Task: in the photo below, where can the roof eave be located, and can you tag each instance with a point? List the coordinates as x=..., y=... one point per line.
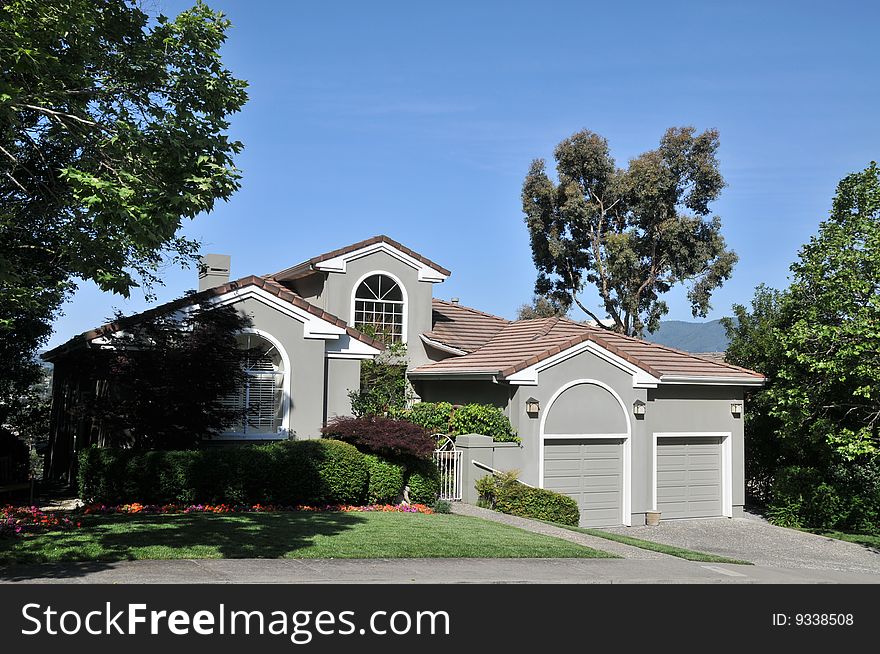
x=712, y=380
x=458, y=375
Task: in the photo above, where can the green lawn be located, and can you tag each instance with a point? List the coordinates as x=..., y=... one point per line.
x=680, y=552
x=862, y=539
x=285, y=535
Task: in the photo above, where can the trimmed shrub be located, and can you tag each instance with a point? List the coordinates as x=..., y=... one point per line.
x=442, y=506
x=482, y=419
x=504, y=493
x=433, y=417
x=288, y=473
x=317, y=472
x=383, y=436
x=538, y=503
x=386, y=480
x=423, y=480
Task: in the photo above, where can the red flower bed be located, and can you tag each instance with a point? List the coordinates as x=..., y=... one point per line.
x=16, y=520
x=133, y=508
x=20, y=519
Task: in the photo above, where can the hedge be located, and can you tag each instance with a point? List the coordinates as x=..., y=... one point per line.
x=424, y=482
x=287, y=473
x=386, y=480
x=504, y=493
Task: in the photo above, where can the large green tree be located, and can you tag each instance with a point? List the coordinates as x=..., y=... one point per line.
x=831, y=383
x=812, y=432
x=113, y=129
x=632, y=233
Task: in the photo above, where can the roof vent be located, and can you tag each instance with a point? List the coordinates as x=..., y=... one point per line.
x=454, y=300
x=213, y=271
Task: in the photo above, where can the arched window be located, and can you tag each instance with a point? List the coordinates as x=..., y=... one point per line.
x=260, y=402
x=379, y=306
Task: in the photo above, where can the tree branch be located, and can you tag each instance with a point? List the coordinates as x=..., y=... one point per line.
x=59, y=114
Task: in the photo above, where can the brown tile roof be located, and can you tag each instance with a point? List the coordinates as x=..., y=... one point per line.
x=267, y=285
x=461, y=327
x=518, y=345
x=306, y=267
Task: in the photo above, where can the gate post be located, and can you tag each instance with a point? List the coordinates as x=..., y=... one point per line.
x=474, y=447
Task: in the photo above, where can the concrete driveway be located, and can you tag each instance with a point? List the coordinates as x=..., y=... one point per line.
x=753, y=539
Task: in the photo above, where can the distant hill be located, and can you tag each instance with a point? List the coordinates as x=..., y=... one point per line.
x=691, y=336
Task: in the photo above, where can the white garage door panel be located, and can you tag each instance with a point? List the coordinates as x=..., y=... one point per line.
x=689, y=477
x=591, y=472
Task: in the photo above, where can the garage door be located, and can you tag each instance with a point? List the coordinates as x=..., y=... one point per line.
x=689, y=477
x=590, y=471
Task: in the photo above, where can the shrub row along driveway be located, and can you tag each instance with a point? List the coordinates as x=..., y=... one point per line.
x=755, y=540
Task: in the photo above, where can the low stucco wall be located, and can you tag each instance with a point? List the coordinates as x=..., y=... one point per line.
x=480, y=449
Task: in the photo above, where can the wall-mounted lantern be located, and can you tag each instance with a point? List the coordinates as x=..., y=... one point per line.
x=532, y=407
x=638, y=408
x=736, y=408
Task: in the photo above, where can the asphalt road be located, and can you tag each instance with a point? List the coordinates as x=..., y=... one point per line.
x=422, y=571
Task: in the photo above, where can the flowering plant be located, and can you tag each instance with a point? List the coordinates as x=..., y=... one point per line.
x=15, y=520
x=134, y=508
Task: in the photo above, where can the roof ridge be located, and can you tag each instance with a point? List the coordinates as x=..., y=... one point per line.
x=471, y=309
x=600, y=330
x=682, y=352
x=347, y=249
x=193, y=298
x=551, y=323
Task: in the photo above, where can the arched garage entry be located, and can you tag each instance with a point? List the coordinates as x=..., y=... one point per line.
x=585, y=451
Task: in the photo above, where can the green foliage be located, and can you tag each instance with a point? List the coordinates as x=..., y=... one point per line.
x=818, y=342
x=386, y=480
x=319, y=471
x=187, y=365
x=287, y=473
x=633, y=233
x=504, y=493
x=114, y=129
x=542, y=307
x=423, y=480
x=482, y=419
x=444, y=418
x=384, y=389
x=433, y=417
x=442, y=506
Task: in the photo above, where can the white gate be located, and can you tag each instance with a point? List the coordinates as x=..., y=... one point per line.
x=448, y=460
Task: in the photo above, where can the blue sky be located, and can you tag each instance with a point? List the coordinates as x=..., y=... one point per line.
x=419, y=120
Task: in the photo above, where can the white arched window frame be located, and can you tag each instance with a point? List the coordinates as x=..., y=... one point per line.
x=268, y=385
x=372, y=305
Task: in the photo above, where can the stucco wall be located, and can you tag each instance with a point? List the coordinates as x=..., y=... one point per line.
x=336, y=297
x=464, y=392
x=702, y=409
x=306, y=373
x=342, y=376
x=597, y=416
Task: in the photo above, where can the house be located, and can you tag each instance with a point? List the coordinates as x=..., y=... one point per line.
x=622, y=425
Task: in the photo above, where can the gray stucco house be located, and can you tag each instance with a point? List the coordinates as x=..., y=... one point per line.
x=622, y=425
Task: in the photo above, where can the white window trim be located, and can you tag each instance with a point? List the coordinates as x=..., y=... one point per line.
x=626, y=505
x=726, y=464
x=285, y=396
x=405, y=318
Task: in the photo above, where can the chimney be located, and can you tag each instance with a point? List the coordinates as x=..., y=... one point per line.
x=213, y=271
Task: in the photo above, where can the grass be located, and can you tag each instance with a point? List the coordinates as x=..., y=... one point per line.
x=671, y=550
x=286, y=535
x=867, y=540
